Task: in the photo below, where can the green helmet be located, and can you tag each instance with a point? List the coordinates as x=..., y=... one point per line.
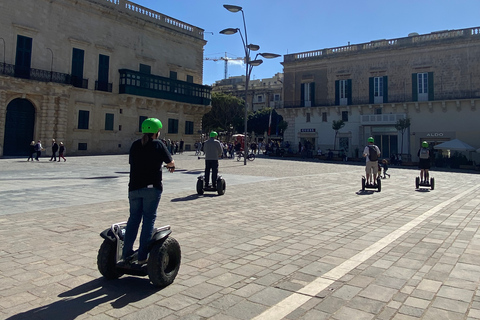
x=151, y=125
x=425, y=144
x=371, y=139
x=213, y=134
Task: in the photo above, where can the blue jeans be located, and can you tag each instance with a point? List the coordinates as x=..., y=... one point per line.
x=143, y=204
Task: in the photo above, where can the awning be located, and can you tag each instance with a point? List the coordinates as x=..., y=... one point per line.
x=454, y=145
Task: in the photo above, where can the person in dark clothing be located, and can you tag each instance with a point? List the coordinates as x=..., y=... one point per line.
x=61, y=152
x=38, y=149
x=213, y=150
x=31, y=151
x=145, y=187
x=54, y=151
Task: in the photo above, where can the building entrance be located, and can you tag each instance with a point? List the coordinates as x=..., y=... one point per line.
x=388, y=144
x=19, y=127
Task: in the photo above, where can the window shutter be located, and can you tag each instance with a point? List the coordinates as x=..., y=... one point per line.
x=349, y=91
x=312, y=93
x=302, y=95
x=414, y=87
x=371, y=90
x=385, y=89
x=337, y=92
x=430, y=87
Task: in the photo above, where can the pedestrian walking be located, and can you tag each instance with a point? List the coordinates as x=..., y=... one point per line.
x=61, y=152
x=31, y=151
x=38, y=150
x=54, y=151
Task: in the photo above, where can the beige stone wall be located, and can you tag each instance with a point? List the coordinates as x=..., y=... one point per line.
x=129, y=38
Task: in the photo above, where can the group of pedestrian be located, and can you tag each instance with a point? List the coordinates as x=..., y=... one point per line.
x=36, y=148
x=174, y=147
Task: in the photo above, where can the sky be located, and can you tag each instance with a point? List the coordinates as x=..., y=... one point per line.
x=286, y=26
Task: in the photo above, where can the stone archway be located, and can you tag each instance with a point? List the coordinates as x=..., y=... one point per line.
x=19, y=127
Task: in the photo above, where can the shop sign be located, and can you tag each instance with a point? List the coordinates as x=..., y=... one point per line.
x=435, y=134
x=307, y=130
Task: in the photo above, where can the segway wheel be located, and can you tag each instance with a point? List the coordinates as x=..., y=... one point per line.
x=251, y=157
x=106, y=260
x=417, y=182
x=363, y=184
x=379, y=184
x=164, y=262
x=200, y=186
x=221, y=186
x=432, y=183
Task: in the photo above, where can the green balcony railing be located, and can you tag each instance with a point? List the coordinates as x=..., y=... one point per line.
x=147, y=85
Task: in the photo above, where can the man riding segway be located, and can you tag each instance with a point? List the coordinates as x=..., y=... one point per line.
x=213, y=150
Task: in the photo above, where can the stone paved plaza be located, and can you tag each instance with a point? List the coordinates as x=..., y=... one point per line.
x=288, y=240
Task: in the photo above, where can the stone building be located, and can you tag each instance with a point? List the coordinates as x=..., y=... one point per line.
x=89, y=72
x=432, y=79
x=262, y=93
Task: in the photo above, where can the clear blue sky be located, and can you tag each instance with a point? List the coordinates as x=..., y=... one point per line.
x=286, y=26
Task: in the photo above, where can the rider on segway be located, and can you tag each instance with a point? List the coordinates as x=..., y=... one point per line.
x=371, y=153
x=213, y=150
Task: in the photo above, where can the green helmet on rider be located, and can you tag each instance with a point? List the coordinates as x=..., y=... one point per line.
x=151, y=125
x=213, y=134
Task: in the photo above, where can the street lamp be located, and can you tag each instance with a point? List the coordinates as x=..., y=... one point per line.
x=3, y=55
x=249, y=64
x=51, y=65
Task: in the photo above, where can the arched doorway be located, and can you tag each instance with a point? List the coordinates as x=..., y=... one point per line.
x=19, y=127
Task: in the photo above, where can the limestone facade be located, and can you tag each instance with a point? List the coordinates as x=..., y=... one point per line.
x=432, y=79
x=95, y=70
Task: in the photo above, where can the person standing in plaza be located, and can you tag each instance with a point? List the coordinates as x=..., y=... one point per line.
x=38, y=149
x=54, y=151
x=61, y=152
x=213, y=150
x=145, y=187
x=31, y=150
x=424, y=162
x=371, y=153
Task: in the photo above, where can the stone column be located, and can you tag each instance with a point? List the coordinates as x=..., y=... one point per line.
x=3, y=112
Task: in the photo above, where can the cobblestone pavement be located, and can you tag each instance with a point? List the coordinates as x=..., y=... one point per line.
x=288, y=240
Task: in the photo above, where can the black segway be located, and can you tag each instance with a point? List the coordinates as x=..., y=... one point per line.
x=220, y=189
x=377, y=185
x=426, y=183
x=163, y=260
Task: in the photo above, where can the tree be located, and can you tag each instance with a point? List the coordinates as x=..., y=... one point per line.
x=259, y=120
x=337, y=125
x=227, y=111
x=402, y=125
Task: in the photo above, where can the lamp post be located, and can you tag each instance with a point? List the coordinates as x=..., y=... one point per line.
x=3, y=55
x=51, y=65
x=249, y=64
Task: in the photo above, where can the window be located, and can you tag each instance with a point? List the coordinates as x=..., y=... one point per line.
x=259, y=98
x=422, y=86
x=23, y=57
x=345, y=116
x=172, y=125
x=173, y=75
x=188, y=127
x=77, y=68
x=103, y=70
x=109, y=121
x=83, y=119
x=324, y=117
x=82, y=146
x=144, y=68
x=308, y=116
x=378, y=89
x=140, y=121
x=307, y=94
x=189, y=79
x=343, y=92
x=276, y=97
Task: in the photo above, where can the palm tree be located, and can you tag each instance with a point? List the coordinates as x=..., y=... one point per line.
x=337, y=125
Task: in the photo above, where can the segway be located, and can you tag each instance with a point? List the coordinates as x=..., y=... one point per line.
x=377, y=185
x=163, y=261
x=419, y=183
x=220, y=189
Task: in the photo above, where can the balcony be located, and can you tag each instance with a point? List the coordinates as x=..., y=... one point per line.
x=381, y=119
x=147, y=85
x=41, y=75
x=103, y=86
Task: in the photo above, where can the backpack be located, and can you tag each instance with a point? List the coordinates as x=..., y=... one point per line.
x=424, y=153
x=372, y=153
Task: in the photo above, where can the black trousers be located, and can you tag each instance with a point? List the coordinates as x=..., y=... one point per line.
x=213, y=166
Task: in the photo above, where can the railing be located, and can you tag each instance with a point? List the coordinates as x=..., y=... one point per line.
x=41, y=75
x=103, y=86
x=147, y=85
x=153, y=16
x=377, y=119
x=384, y=44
